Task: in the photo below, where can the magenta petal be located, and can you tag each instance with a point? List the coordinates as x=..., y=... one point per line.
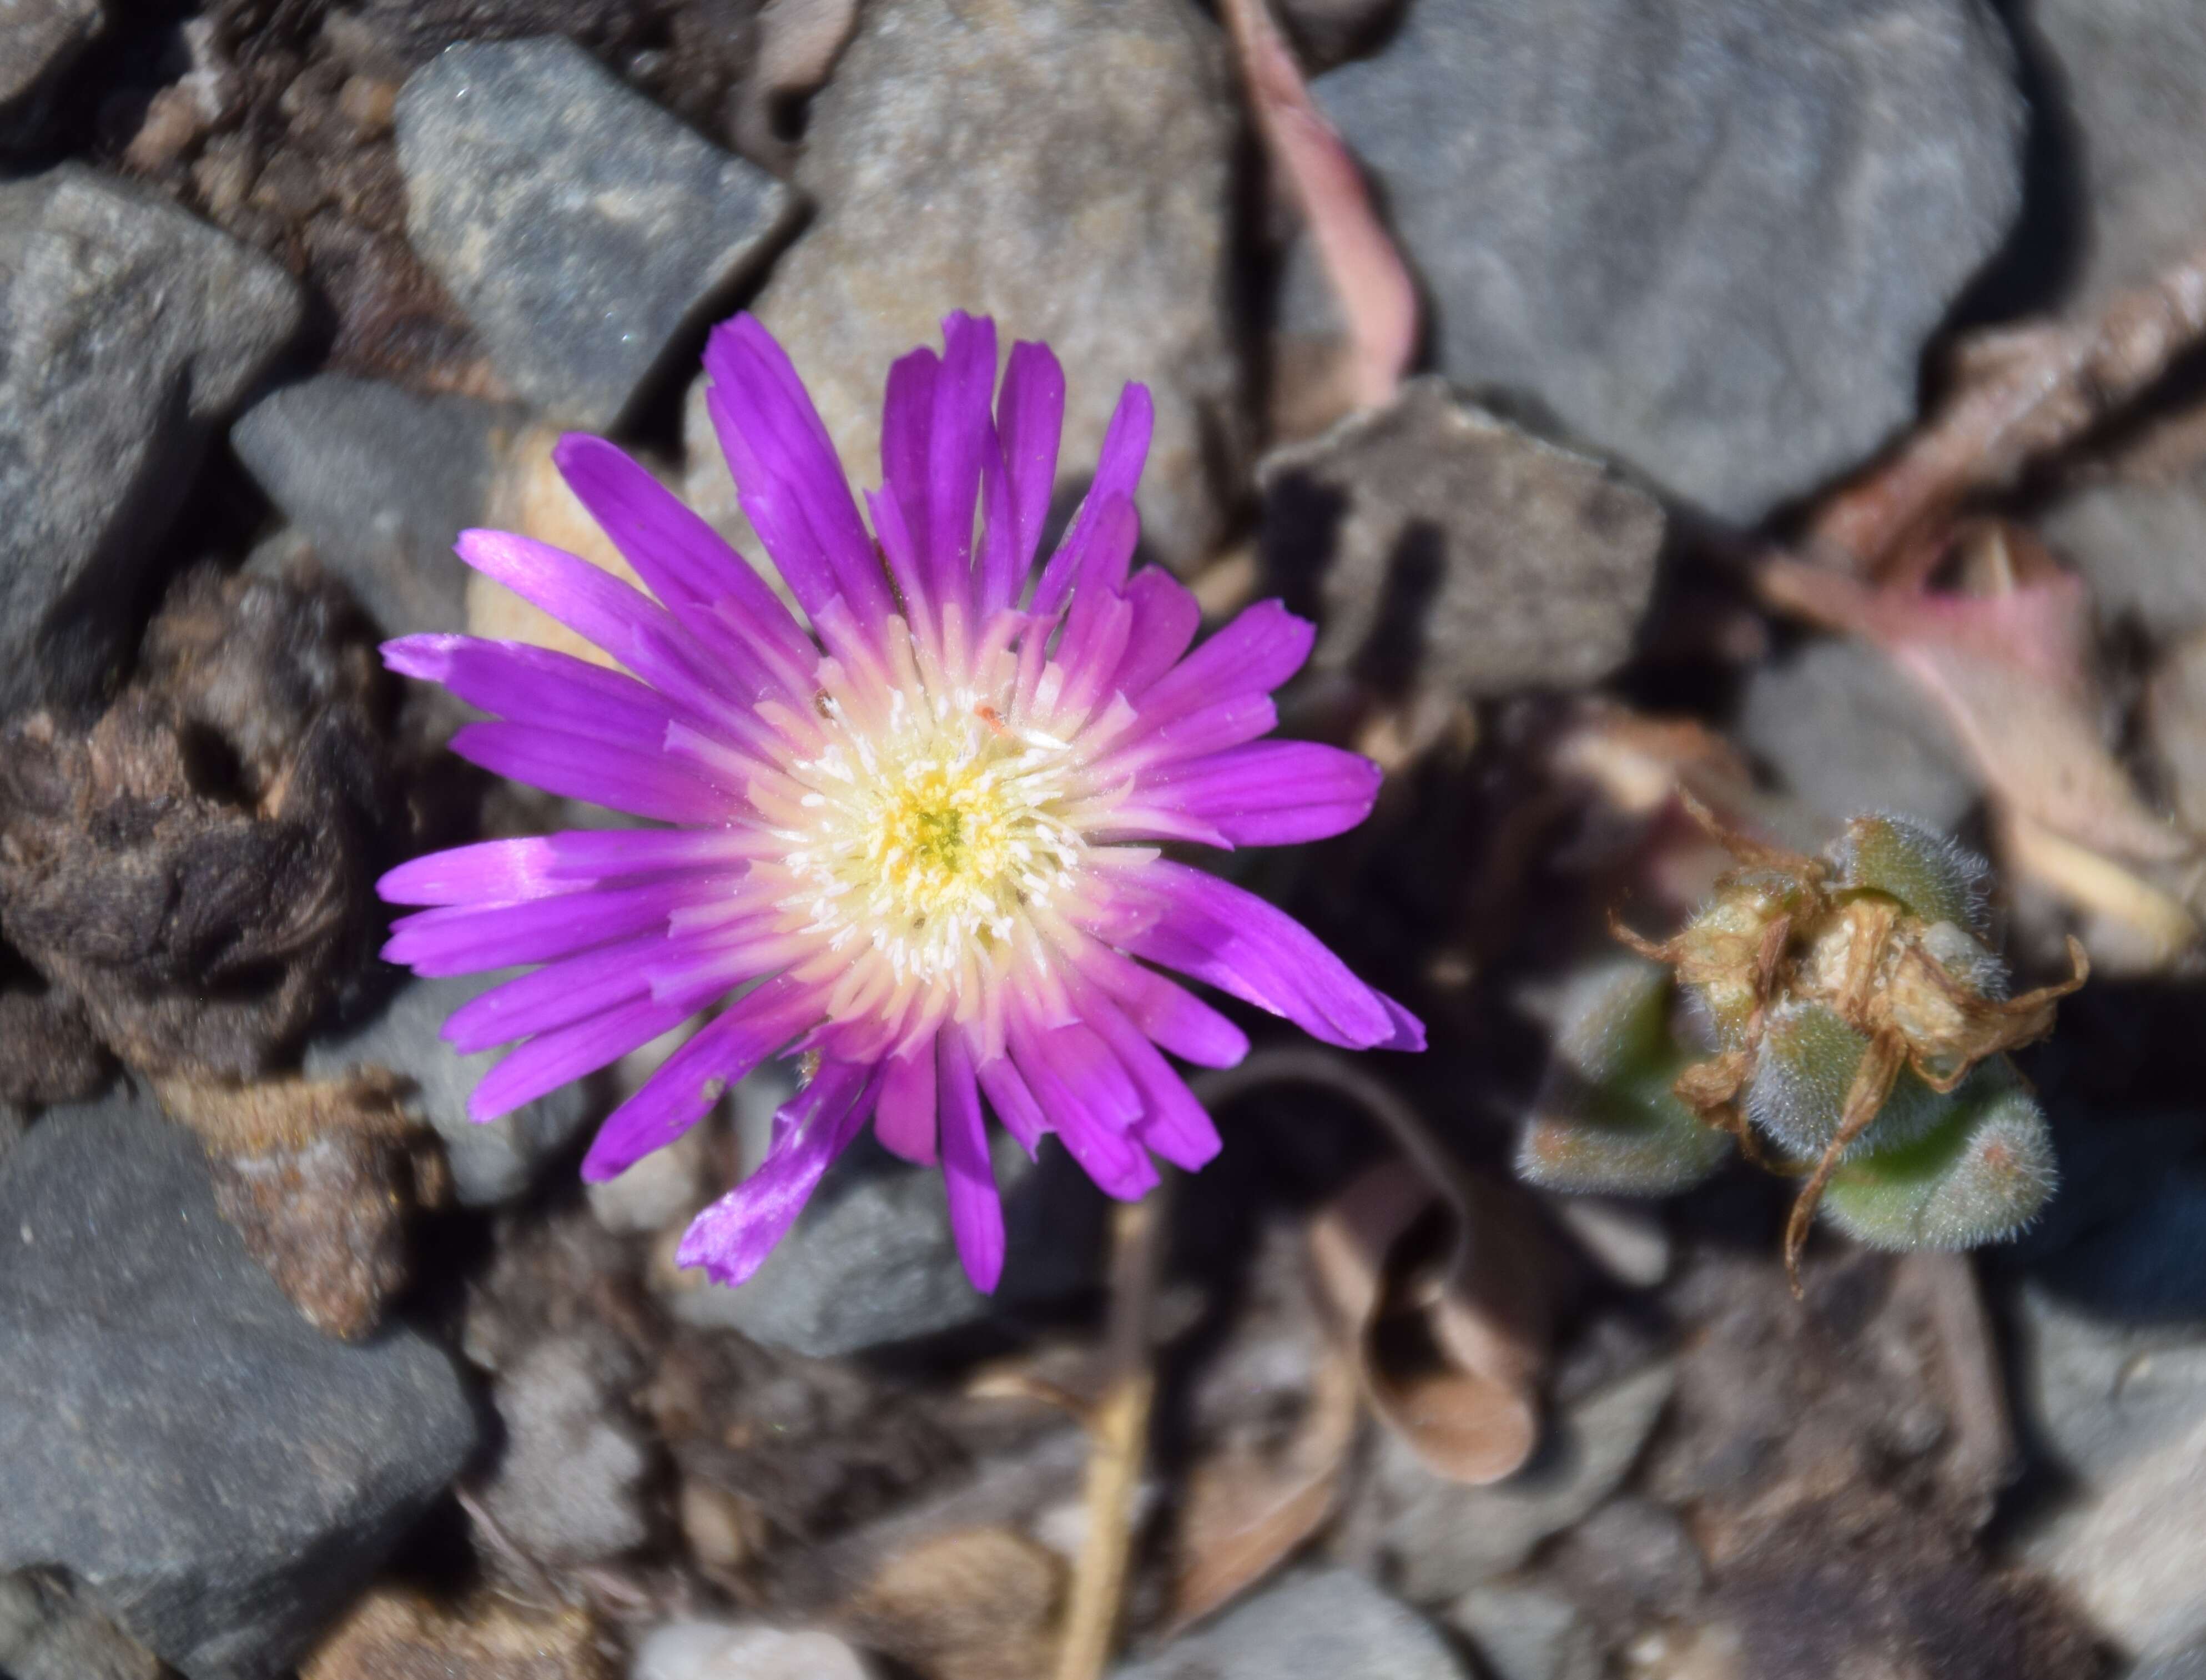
x=968, y=1179
x=687, y=564
x=1117, y=471
x=682, y=1090
x=732, y=1239
x=1167, y=615
x=1241, y=944
x=1269, y=793
x=1091, y=1104
x=547, y=688
x=1030, y=421
x=506, y=870
x=621, y=778
x=1169, y=1014
x=1014, y=1103
x=560, y=1057
x=904, y=1119
x=1172, y=1123
x=788, y=479
x=955, y=442
x=907, y=422
x=1263, y=647
x=467, y=939
x=557, y=995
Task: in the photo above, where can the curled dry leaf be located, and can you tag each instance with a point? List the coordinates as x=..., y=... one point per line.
x=1275, y=1410
x=2018, y=394
x=1368, y=277
x=1438, y=1280
x=2004, y=658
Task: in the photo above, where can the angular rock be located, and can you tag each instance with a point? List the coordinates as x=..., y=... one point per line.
x=51, y=1629
x=2183, y=1665
x=1445, y=1538
x=381, y=480
x=870, y=1261
x=1838, y=729
x=568, y=1487
x=40, y=41
x=195, y=869
x=48, y=1051
x=1710, y=239
x=219, y=1474
x=492, y=1162
x=1318, y=1625
x=1446, y=546
x=1067, y=168
x=127, y=329
x=2126, y=86
x=581, y=228
x=1528, y=1633
x=720, y=1651
x=395, y=1635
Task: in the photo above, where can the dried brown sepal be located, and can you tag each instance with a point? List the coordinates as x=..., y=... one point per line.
x=1865, y=1099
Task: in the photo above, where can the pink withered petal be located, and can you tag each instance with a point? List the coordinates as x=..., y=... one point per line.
x=914, y=831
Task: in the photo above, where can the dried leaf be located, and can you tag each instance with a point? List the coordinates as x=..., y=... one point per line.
x=1263, y=1483
x=1368, y=274
x=2005, y=663
x=1439, y=1283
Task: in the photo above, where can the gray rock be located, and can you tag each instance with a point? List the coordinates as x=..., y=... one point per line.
x=12, y=1123
x=1445, y=1538
x=49, y=1630
x=1711, y=238
x=2137, y=546
x=491, y=1163
x=127, y=328
x=1318, y=1625
x=2183, y=1665
x=222, y=1477
x=725, y=1651
x=1528, y=1633
x=1840, y=729
x=2122, y=1410
x=1449, y=545
x=380, y=480
x=2127, y=86
x=40, y=41
x=581, y=228
x=871, y=1260
x=1063, y=166
x=568, y=1487
x=1632, y=1558
x=2150, y=1263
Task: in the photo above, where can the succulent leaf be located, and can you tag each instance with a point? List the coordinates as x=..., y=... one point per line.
x=1932, y=876
x=1979, y=1177
x=1606, y=1120
x=1802, y=1073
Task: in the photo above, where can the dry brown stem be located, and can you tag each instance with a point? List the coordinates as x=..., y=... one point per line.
x=2019, y=394
x=1119, y=1426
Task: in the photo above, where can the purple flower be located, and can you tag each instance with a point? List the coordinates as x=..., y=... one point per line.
x=916, y=843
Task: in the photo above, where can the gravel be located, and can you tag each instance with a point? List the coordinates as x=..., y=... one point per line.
x=220, y=1475
x=1711, y=238
x=582, y=230
x=127, y=330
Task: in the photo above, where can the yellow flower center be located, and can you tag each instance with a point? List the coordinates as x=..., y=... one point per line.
x=930, y=839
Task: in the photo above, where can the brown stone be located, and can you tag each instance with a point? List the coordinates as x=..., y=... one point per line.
x=393, y=1635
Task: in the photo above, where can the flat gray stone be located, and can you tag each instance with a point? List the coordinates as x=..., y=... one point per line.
x=1528, y=1633
x=1065, y=167
x=51, y=1629
x=871, y=1260
x=1448, y=545
x=1322, y=1625
x=581, y=228
x=1838, y=727
x=40, y=41
x=381, y=480
x=1444, y=1539
x=568, y=1488
x=491, y=1162
x=127, y=329
x=1711, y=238
x=220, y=1476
